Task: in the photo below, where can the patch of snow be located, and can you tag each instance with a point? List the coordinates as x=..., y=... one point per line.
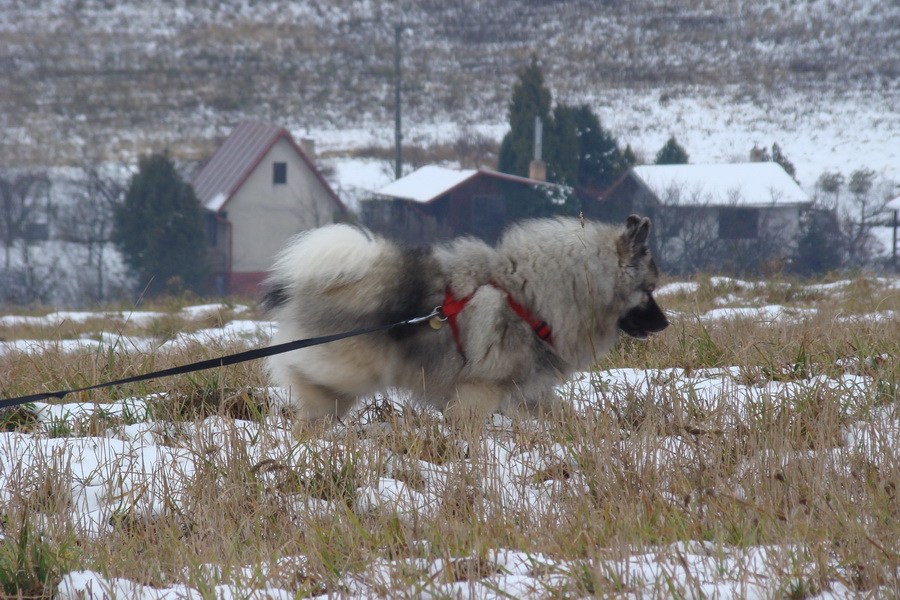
x=42, y=346
x=201, y=311
x=678, y=287
x=395, y=497
x=233, y=331
x=772, y=313
x=55, y=319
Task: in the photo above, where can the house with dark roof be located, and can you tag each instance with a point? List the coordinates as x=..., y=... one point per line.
x=260, y=188
x=436, y=203
x=734, y=217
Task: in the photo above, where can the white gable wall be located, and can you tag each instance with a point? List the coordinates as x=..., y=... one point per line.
x=689, y=239
x=265, y=215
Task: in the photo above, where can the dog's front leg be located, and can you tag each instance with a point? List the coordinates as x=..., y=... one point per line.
x=473, y=402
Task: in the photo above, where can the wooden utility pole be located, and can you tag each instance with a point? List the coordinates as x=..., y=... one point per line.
x=894, y=249
x=894, y=224
x=398, y=80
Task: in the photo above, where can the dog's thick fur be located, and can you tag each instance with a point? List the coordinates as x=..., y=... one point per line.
x=586, y=280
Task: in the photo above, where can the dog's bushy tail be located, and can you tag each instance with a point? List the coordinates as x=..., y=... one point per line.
x=331, y=255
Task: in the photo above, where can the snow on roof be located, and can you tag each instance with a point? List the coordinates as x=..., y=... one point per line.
x=894, y=204
x=427, y=183
x=216, y=203
x=430, y=182
x=743, y=184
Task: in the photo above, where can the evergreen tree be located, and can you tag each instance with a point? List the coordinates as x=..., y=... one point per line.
x=779, y=157
x=159, y=229
x=530, y=99
x=626, y=160
x=821, y=244
x=672, y=154
x=600, y=162
x=577, y=150
x=562, y=147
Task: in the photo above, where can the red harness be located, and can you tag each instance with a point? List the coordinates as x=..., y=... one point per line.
x=451, y=308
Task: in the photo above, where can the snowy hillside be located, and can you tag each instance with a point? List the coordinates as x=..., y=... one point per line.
x=111, y=80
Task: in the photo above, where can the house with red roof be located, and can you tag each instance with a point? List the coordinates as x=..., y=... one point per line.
x=260, y=188
x=437, y=203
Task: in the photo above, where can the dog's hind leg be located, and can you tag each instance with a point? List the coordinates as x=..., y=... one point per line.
x=317, y=403
x=535, y=403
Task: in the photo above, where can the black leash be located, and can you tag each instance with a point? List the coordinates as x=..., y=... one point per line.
x=231, y=359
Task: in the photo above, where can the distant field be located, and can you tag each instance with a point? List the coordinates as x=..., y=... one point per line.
x=750, y=450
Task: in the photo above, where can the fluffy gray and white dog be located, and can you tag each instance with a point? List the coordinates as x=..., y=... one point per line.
x=516, y=318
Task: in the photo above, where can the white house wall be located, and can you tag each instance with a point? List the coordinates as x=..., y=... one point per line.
x=698, y=237
x=785, y=221
x=265, y=215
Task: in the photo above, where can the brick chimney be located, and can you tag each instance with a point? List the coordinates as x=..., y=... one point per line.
x=308, y=145
x=759, y=154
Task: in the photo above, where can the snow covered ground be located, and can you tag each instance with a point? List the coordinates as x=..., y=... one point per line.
x=143, y=468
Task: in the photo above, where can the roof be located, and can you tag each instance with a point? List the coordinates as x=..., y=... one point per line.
x=238, y=157
x=741, y=184
x=894, y=204
x=431, y=182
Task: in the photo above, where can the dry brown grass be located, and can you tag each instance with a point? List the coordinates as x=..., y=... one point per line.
x=646, y=470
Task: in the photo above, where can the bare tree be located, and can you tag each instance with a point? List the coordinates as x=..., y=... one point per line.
x=694, y=234
x=773, y=242
x=88, y=220
x=32, y=280
x=859, y=206
x=23, y=197
x=686, y=237
x=828, y=190
x=861, y=212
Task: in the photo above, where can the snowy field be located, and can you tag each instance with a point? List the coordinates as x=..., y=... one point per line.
x=139, y=467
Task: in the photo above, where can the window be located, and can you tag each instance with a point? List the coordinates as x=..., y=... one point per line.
x=279, y=172
x=738, y=223
x=37, y=232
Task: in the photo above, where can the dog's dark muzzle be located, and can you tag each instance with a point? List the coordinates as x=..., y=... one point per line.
x=641, y=321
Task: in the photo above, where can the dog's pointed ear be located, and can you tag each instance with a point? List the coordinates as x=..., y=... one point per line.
x=637, y=230
x=633, y=243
